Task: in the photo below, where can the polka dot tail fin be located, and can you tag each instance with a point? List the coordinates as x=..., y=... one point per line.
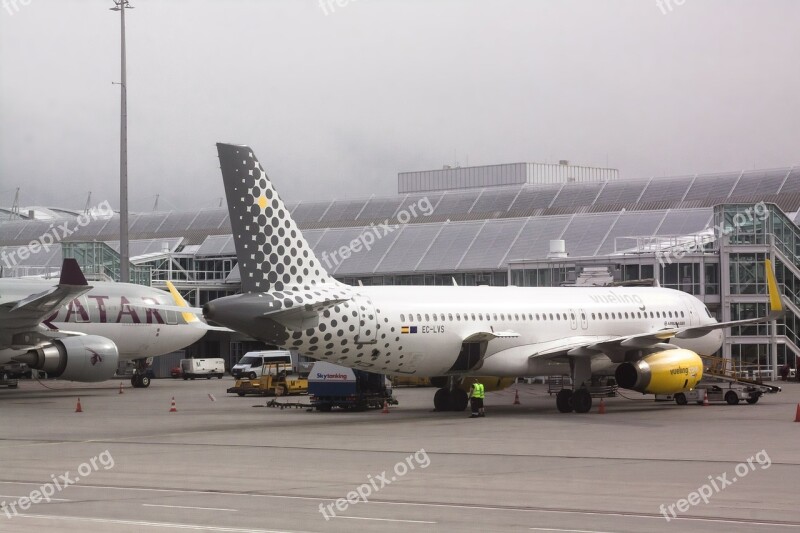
x=272, y=253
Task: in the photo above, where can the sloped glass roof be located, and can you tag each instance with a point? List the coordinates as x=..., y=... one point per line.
x=706, y=187
x=409, y=248
x=491, y=244
x=667, y=189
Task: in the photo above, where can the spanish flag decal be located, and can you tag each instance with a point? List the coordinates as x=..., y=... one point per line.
x=404, y=329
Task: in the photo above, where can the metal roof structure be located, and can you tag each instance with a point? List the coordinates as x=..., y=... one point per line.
x=464, y=230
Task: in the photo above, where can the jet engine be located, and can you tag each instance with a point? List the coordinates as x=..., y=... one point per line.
x=84, y=358
x=664, y=372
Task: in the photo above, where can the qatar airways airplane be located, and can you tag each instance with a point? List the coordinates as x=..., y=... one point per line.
x=79, y=332
x=648, y=337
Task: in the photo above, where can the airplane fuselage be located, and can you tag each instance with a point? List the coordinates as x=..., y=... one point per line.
x=421, y=330
x=111, y=310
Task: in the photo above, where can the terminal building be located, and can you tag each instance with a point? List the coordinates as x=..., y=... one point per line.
x=523, y=224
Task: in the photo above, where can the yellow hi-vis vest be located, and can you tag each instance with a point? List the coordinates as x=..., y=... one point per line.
x=477, y=390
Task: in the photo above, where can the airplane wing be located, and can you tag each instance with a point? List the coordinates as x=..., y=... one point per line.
x=578, y=347
x=20, y=319
x=486, y=336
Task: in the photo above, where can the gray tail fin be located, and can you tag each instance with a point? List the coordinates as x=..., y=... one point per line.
x=273, y=255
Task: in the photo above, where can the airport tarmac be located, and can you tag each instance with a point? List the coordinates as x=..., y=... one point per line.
x=233, y=465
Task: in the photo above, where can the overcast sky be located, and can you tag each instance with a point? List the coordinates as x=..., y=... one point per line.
x=336, y=101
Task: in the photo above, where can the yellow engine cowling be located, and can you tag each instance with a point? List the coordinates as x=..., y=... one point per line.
x=664, y=372
x=489, y=383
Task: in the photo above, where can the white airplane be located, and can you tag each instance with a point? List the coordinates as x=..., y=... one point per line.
x=649, y=338
x=79, y=332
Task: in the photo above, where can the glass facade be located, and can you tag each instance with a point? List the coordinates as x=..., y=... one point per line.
x=542, y=277
x=99, y=259
x=770, y=234
x=681, y=276
x=752, y=359
x=747, y=311
x=747, y=274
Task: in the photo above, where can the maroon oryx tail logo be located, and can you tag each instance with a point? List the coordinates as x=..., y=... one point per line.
x=96, y=358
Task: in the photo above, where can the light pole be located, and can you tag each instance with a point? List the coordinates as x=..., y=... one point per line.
x=124, y=257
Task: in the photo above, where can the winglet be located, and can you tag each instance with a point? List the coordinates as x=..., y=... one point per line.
x=775, y=304
x=180, y=302
x=71, y=274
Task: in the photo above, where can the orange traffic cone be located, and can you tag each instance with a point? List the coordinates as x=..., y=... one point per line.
x=705, y=396
x=516, y=397
x=120, y=388
x=797, y=416
x=172, y=408
x=385, y=407
x=78, y=408
x=601, y=409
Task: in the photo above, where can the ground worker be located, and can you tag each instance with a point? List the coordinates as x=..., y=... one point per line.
x=476, y=395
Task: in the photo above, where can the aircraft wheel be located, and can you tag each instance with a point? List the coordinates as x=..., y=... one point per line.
x=442, y=400
x=144, y=382
x=731, y=398
x=582, y=401
x=564, y=401
x=459, y=400
x=680, y=399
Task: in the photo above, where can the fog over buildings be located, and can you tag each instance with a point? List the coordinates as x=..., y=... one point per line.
x=339, y=97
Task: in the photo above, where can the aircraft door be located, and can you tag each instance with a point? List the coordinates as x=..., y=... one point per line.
x=573, y=319
x=584, y=319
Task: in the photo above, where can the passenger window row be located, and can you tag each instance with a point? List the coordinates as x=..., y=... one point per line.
x=428, y=317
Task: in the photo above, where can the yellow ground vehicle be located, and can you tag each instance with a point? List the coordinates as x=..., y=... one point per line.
x=277, y=379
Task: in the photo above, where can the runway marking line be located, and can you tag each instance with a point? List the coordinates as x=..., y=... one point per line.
x=168, y=525
x=387, y=519
x=442, y=505
x=26, y=495
x=567, y=530
x=187, y=507
x=660, y=517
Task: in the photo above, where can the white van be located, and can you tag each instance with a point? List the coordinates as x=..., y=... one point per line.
x=252, y=364
x=202, y=368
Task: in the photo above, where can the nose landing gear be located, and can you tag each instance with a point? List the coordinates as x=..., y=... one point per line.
x=141, y=374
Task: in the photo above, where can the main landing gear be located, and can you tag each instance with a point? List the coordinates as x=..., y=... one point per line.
x=579, y=401
x=446, y=399
x=449, y=397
